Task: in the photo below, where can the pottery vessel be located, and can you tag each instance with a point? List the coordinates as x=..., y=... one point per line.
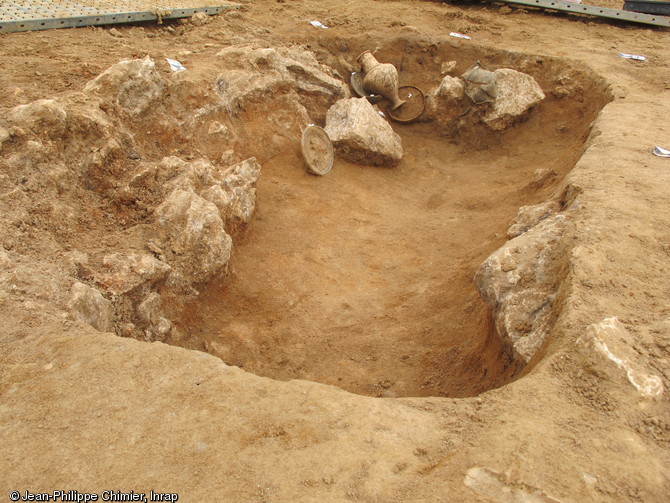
x=380, y=78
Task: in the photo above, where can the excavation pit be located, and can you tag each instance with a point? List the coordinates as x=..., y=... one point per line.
x=362, y=279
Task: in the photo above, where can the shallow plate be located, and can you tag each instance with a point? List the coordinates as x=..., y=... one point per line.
x=415, y=104
x=356, y=82
x=317, y=149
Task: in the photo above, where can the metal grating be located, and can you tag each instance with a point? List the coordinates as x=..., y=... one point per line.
x=594, y=11
x=27, y=15
x=648, y=7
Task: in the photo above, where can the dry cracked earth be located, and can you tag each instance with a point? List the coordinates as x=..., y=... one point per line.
x=187, y=310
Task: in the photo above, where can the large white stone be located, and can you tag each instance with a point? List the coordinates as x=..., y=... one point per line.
x=150, y=311
x=359, y=134
x=516, y=93
x=195, y=234
x=42, y=116
x=256, y=75
x=269, y=67
x=529, y=216
x=4, y=136
x=235, y=194
x=132, y=84
x=519, y=282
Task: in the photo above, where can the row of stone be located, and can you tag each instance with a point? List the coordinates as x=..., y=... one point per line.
x=360, y=133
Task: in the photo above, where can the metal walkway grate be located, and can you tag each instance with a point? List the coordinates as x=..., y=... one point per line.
x=26, y=15
x=624, y=15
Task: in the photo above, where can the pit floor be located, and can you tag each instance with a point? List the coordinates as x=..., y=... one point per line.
x=363, y=279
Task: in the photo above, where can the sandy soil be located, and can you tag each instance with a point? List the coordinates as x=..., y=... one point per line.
x=361, y=280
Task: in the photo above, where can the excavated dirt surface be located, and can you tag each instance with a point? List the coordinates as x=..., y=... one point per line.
x=345, y=353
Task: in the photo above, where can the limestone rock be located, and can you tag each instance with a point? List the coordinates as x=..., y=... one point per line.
x=215, y=127
x=541, y=178
x=235, y=196
x=229, y=157
x=289, y=65
x=154, y=177
x=195, y=234
x=89, y=306
x=516, y=93
x=447, y=67
x=200, y=19
x=4, y=136
x=499, y=488
x=6, y=261
x=529, y=216
x=254, y=73
x=568, y=84
x=609, y=347
x=446, y=101
x=125, y=272
x=361, y=135
x=187, y=175
x=151, y=313
x=519, y=282
x=41, y=116
x=232, y=189
x=132, y=84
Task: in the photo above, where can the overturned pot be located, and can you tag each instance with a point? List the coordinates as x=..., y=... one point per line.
x=380, y=78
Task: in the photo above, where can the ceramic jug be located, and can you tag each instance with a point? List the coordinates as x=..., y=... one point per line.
x=380, y=78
